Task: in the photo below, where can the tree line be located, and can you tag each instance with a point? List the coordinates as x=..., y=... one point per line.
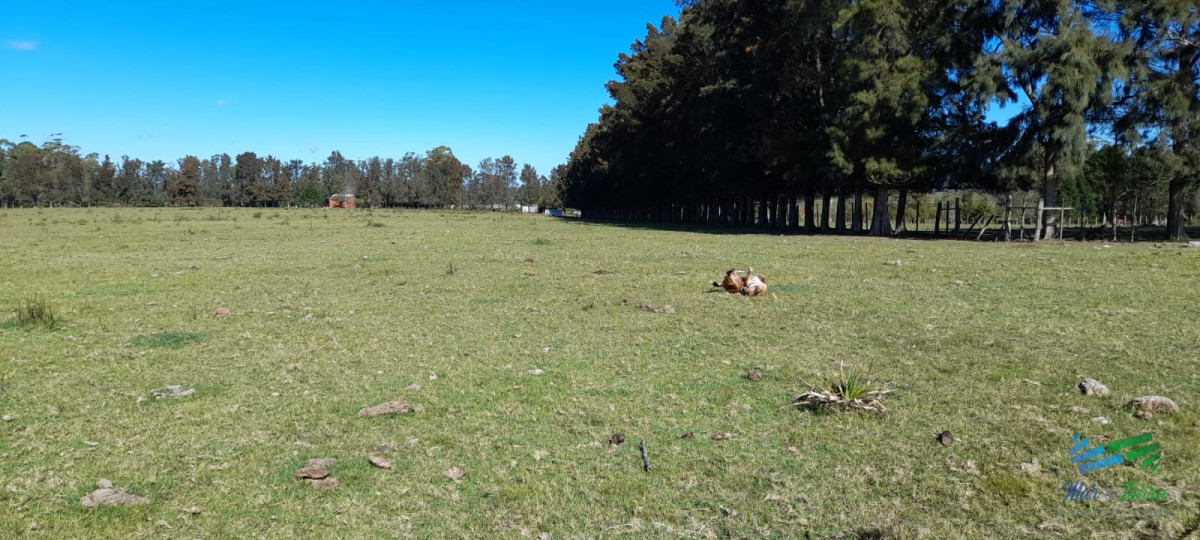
x=753, y=113
x=56, y=174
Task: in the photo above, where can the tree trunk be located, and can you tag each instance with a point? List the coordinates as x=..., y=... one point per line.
x=762, y=213
x=1176, y=226
x=880, y=224
x=856, y=217
x=901, y=204
x=824, y=225
x=1050, y=225
x=809, y=210
x=840, y=218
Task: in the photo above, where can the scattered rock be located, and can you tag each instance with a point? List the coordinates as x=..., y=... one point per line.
x=722, y=436
x=894, y=262
x=311, y=472
x=111, y=497
x=617, y=438
x=528, y=260
x=1194, y=243
x=172, y=391
x=946, y=438
x=455, y=473
x=970, y=468
x=1027, y=381
x=958, y=282
x=1102, y=420
x=754, y=375
x=274, y=394
x=222, y=312
x=536, y=372
x=414, y=387
x=330, y=482
x=688, y=435
x=1154, y=404
x=545, y=349
x=1032, y=466
x=7, y=418
x=1144, y=415
x=193, y=510
x=665, y=309
x=379, y=462
x=1092, y=387
x=390, y=407
x=539, y=454
x=602, y=272
x=322, y=462
x=307, y=318
x=432, y=376
x=104, y=483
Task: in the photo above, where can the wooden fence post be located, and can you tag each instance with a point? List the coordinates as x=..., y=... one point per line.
x=1008, y=218
x=957, y=215
x=937, y=220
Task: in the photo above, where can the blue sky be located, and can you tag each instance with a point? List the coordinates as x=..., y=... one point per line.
x=297, y=80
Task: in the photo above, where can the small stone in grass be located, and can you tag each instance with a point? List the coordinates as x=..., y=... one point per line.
x=946, y=438
x=111, y=497
x=1032, y=466
x=322, y=462
x=754, y=375
x=104, y=483
x=1092, y=387
x=390, y=407
x=893, y=262
x=193, y=510
x=1144, y=415
x=1102, y=420
x=222, y=312
x=536, y=372
x=688, y=435
x=617, y=438
x=7, y=418
x=722, y=436
x=311, y=472
x=379, y=462
x=455, y=473
x=414, y=387
x=325, y=482
x=1154, y=404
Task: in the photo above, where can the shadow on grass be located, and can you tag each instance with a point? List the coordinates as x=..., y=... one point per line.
x=992, y=234
x=167, y=340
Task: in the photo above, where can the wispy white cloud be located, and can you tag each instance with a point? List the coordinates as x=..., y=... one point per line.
x=23, y=45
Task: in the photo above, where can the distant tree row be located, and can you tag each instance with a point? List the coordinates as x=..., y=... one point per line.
x=748, y=112
x=55, y=174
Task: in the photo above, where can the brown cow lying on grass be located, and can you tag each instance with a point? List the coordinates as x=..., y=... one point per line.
x=751, y=285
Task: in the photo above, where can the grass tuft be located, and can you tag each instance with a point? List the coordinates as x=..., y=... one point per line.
x=36, y=312
x=851, y=389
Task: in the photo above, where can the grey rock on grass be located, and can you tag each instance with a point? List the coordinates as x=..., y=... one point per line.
x=1092, y=387
x=1154, y=404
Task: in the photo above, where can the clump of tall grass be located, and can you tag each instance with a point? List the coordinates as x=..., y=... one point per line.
x=36, y=312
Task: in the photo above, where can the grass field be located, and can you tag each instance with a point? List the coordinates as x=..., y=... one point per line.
x=984, y=339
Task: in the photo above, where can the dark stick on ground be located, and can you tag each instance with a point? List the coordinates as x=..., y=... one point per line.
x=645, y=457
